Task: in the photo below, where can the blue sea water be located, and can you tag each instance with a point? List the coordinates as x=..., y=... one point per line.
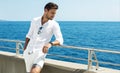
x=98, y=35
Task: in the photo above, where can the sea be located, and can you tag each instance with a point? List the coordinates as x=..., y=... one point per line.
x=87, y=34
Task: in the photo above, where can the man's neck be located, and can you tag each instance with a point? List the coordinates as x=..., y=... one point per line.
x=44, y=20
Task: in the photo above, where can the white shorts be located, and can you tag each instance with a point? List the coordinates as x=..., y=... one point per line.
x=34, y=57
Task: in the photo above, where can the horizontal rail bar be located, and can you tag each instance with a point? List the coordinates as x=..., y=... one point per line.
x=82, y=59
x=7, y=40
x=82, y=48
x=10, y=48
x=67, y=57
x=109, y=63
x=7, y=47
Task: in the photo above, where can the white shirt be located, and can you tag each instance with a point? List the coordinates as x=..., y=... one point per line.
x=50, y=28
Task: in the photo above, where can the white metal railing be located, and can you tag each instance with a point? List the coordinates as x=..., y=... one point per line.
x=91, y=52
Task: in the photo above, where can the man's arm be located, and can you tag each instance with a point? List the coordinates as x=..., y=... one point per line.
x=26, y=43
x=58, y=41
x=54, y=43
x=29, y=34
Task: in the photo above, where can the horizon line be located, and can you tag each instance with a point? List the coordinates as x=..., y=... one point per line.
x=68, y=20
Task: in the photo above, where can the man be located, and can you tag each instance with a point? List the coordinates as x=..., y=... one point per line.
x=38, y=38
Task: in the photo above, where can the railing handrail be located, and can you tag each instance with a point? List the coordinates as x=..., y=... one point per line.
x=91, y=52
x=8, y=40
x=98, y=50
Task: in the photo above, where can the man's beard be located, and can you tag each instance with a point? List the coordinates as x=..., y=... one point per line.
x=48, y=18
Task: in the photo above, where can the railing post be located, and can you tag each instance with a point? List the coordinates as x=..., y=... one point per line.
x=17, y=48
x=89, y=59
x=91, y=54
x=96, y=60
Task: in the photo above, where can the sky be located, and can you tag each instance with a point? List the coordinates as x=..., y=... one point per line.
x=69, y=10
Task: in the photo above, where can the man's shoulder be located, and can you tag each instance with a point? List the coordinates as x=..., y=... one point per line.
x=53, y=22
x=37, y=18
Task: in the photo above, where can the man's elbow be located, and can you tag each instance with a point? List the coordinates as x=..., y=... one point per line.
x=60, y=42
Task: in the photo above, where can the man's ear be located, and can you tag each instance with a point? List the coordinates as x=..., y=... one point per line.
x=45, y=10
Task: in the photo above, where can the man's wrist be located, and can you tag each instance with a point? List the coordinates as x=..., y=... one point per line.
x=51, y=43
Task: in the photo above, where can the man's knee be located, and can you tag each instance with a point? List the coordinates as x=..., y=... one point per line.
x=35, y=69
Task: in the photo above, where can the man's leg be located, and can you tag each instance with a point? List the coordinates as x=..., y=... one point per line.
x=36, y=69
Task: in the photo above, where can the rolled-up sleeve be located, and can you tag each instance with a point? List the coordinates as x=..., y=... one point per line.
x=31, y=29
x=57, y=33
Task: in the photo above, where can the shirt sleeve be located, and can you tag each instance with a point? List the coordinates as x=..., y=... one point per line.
x=31, y=29
x=57, y=33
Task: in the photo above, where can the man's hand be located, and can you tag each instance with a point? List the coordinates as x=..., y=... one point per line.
x=23, y=49
x=26, y=43
x=46, y=47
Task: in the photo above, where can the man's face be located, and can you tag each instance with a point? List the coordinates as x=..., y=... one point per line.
x=50, y=14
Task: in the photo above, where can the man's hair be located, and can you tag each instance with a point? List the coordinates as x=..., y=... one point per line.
x=51, y=5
